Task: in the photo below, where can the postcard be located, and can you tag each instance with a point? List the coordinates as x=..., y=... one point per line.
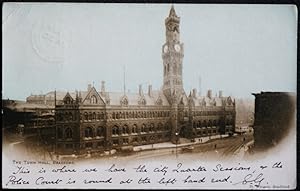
x=149, y=96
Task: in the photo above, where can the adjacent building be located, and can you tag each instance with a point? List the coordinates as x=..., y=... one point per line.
x=274, y=117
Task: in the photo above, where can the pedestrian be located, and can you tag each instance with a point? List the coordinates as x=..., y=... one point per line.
x=215, y=146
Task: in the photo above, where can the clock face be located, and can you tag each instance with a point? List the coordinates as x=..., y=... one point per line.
x=166, y=49
x=177, y=47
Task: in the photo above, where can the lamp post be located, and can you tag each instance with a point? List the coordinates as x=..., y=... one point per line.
x=176, y=142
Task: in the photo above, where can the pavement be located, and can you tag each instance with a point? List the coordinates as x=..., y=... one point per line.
x=166, y=145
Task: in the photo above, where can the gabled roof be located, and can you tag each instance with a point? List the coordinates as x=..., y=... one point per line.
x=198, y=100
x=92, y=91
x=134, y=98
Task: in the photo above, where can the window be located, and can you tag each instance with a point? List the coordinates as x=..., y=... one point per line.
x=88, y=133
x=209, y=123
x=125, y=129
x=93, y=100
x=204, y=123
x=86, y=116
x=94, y=116
x=59, y=133
x=134, y=129
x=125, y=141
x=68, y=100
x=143, y=130
x=215, y=123
x=70, y=116
x=68, y=133
x=100, y=131
x=69, y=146
x=115, y=142
x=135, y=140
x=151, y=127
x=88, y=145
x=115, y=130
x=100, y=143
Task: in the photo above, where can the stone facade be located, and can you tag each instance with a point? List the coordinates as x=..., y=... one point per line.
x=94, y=121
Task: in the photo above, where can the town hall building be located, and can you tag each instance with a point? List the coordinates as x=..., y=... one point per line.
x=96, y=120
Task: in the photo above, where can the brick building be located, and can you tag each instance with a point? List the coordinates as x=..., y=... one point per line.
x=97, y=120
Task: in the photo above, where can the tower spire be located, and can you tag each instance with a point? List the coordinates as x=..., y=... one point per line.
x=172, y=12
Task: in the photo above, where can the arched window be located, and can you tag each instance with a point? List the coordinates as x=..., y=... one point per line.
x=70, y=116
x=215, y=123
x=59, y=133
x=88, y=133
x=199, y=124
x=93, y=100
x=113, y=115
x=159, y=127
x=67, y=100
x=134, y=129
x=125, y=129
x=151, y=127
x=94, y=116
x=68, y=133
x=115, y=130
x=143, y=128
x=90, y=116
x=86, y=116
x=204, y=123
x=209, y=123
x=100, y=131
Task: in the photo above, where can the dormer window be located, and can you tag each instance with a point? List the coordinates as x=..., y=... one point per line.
x=93, y=100
x=142, y=101
x=159, y=101
x=124, y=101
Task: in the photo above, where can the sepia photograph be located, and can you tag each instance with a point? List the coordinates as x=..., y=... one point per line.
x=139, y=96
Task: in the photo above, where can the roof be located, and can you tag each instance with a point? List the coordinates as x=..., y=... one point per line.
x=206, y=101
x=135, y=98
x=115, y=98
x=27, y=107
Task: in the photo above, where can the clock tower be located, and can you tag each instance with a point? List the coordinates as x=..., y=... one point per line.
x=172, y=55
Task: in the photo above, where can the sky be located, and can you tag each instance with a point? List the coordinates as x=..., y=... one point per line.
x=240, y=49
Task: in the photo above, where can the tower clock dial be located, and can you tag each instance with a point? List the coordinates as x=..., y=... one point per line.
x=177, y=47
x=165, y=48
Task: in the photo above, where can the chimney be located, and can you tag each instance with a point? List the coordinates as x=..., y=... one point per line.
x=209, y=94
x=102, y=88
x=194, y=92
x=89, y=87
x=220, y=93
x=150, y=90
x=140, y=90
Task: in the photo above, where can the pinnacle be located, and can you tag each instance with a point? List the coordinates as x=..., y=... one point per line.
x=172, y=12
